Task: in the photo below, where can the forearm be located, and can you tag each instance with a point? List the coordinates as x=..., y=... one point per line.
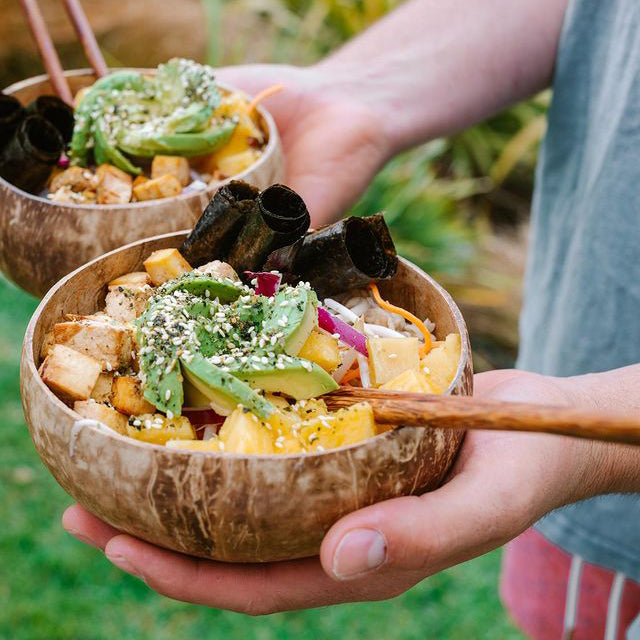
x=433, y=67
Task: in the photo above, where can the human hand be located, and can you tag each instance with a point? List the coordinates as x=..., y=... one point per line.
x=500, y=484
x=333, y=143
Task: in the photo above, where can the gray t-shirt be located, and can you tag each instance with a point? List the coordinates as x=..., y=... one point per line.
x=582, y=310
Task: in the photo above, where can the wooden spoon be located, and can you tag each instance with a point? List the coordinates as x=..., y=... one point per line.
x=461, y=412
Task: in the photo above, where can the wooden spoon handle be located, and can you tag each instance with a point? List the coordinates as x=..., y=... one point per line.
x=460, y=412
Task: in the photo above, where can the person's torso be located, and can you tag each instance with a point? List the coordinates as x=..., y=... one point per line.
x=582, y=291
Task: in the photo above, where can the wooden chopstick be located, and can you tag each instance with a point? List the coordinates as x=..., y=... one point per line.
x=47, y=50
x=460, y=412
x=87, y=37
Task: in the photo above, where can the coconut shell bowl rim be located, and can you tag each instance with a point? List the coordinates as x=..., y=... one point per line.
x=273, y=143
x=30, y=351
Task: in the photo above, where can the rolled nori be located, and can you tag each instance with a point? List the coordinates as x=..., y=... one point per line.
x=347, y=255
x=279, y=219
x=12, y=113
x=57, y=112
x=27, y=160
x=220, y=223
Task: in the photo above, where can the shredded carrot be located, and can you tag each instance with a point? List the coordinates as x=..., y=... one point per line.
x=262, y=95
x=406, y=315
x=352, y=374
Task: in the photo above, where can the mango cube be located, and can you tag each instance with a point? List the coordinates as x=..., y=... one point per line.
x=389, y=357
x=158, y=429
x=165, y=264
x=126, y=396
x=322, y=349
x=70, y=374
x=102, y=413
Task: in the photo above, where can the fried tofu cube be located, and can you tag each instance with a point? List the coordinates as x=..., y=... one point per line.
x=126, y=396
x=114, y=185
x=133, y=279
x=69, y=374
x=158, y=429
x=106, y=415
x=102, y=389
x=77, y=178
x=163, y=187
x=107, y=341
x=171, y=165
x=165, y=264
x=127, y=303
x=389, y=357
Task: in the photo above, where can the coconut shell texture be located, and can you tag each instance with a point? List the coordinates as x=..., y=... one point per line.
x=41, y=241
x=229, y=507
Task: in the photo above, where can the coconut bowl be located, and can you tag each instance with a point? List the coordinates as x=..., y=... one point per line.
x=41, y=241
x=230, y=507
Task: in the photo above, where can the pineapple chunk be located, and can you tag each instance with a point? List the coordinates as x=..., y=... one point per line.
x=165, y=264
x=175, y=166
x=158, y=429
x=102, y=389
x=312, y=408
x=69, y=374
x=114, y=185
x=232, y=165
x=126, y=396
x=163, y=187
x=322, y=349
x=346, y=426
x=389, y=357
x=127, y=303
x=278, y=401
x=412, y=381
x=441, y=363
x=243, y=432
x=133, y=279
x=100, y=412
x=213, y=444
x=100, y=337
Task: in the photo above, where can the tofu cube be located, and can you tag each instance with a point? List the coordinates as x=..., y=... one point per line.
x=127, y=303
x=107, y=341
x=389, y=357
x=102, y=389
x=133, y=279
x=173, y=166
x=165, y=264
x=77, y=178
x=93, y=410
x=114, y=185
x=69, y=374
x=219, y=269
x=162, y=187
x=126, y=396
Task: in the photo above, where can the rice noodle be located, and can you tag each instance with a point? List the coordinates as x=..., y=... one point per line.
x=348, y=358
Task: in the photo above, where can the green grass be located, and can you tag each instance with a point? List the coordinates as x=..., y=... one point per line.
x=54, y=588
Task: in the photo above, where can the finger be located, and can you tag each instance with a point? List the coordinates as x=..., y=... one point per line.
x=83, y=525
x=252, y=589
x=494, y=497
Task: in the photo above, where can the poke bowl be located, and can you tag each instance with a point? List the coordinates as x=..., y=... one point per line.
x=225, y=505
x=43, y=238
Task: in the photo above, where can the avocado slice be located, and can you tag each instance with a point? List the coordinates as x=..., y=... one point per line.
x=299, y=306
x=198, y=285
x=295, y=377
x=163, y=390
x=224, y=391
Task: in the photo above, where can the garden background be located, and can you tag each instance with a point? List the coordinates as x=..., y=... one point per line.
x=458, y=207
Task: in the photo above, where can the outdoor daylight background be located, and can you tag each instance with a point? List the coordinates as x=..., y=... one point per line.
x=458, y=207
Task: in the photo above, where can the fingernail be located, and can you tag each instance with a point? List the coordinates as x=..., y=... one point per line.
x=82, y=538
x=359, y=551
x=122, y=563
